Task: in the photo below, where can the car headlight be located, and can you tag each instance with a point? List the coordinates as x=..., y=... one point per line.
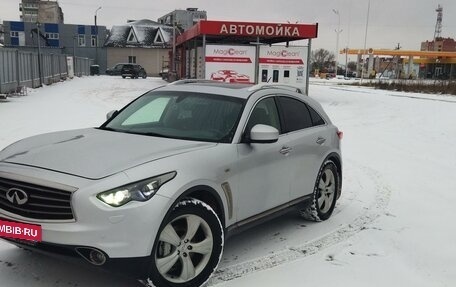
x=138, y=191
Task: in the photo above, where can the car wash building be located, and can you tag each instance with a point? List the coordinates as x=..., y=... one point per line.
x=245, y=52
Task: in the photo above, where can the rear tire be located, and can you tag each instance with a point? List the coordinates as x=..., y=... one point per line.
x=324, y=196
x=188, y=246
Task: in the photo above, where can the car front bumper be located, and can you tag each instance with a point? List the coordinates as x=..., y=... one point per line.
x=134, y=267
x=119, y=233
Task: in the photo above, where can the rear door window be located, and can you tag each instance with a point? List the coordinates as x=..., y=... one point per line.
x=295, y=114
x=317, y=120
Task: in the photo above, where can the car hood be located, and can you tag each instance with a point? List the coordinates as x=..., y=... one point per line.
x=94, y=153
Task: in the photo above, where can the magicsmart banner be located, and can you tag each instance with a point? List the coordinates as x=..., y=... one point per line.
x=284, y=65
x=230, y=64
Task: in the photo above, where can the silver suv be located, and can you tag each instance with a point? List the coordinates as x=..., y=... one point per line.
x=156, y=189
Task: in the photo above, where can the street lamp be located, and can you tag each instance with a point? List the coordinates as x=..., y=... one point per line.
x=338, y=31
x=96, y=36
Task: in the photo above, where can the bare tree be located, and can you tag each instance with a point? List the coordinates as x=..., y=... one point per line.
x=322, y=59
x=351, y=66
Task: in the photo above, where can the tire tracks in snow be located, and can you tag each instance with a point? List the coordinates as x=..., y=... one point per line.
x=375, y=210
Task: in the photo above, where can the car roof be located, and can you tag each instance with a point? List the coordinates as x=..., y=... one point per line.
x=229, y=89
x=211, y=87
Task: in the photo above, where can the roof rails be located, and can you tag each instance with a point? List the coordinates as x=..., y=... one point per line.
x=193, y=81
x=296, y=89
x=292, y=88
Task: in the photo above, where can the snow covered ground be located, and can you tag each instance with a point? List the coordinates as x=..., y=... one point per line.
x=393, y=225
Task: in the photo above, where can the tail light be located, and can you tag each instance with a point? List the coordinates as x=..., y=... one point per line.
x=340, y=134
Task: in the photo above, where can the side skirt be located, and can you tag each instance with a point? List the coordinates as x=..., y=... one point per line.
x=297, y=204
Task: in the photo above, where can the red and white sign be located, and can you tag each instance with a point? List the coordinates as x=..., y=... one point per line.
x=231, y=64
x=283, y=31
x=20, y=230
x=281, y=64
x=301, y=31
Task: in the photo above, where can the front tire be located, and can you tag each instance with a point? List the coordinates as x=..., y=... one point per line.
x=324, y=195
x=188, y=247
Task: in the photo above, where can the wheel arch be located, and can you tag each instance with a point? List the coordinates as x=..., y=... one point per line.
x=207, y=195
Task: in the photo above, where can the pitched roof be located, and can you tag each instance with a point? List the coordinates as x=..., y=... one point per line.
x=142, y=33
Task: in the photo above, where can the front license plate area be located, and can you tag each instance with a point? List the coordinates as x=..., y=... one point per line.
x=20, y=232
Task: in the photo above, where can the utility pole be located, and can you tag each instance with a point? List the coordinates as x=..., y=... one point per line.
x=174, y=47
x=74, y=50
x=38, y=32
x=346, y=62
x=365, y=38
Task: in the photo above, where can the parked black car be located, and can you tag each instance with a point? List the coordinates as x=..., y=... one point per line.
x=116, y=70
x=133, y=71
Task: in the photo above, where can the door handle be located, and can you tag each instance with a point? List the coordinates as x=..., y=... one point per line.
x=285, y=150
x=320, y=140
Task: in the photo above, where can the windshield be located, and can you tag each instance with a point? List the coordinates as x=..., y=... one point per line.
x=180, y=115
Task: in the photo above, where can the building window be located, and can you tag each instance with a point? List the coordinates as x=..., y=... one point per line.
x=132, y=59
x=132, y=37
x=14, y=34
x=52, y=36
x=93, y=40
x=81, y=41
x=159, y=38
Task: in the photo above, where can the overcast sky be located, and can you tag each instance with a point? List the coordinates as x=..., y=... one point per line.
x=407, y=22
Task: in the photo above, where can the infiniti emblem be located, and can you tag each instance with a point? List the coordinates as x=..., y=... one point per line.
x=17, y=196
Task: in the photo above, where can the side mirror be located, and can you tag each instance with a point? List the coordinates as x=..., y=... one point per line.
x=264, y=134
x=111, y=114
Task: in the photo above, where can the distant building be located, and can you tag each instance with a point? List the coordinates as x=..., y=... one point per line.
x=81, y=40
x=144, y=42
x=438, y=68
x=184, y=19
x=40, y=11
x=440, y=44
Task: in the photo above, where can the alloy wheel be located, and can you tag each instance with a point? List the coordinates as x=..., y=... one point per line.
x=326, y=190
x=184, y=248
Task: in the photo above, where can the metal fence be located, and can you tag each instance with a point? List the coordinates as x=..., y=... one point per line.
x=19, y=69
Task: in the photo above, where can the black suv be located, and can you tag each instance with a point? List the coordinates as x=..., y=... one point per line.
x=133, y=71
x=116, y=70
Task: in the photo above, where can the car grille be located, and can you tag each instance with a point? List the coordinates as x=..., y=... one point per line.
x=43, y=202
